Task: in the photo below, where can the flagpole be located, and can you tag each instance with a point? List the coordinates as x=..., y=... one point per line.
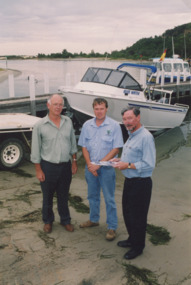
x=185, y=44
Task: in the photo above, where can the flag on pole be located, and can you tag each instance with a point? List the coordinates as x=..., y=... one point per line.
x=163, y=55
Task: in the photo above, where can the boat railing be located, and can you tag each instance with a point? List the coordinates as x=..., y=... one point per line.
x=163, y=94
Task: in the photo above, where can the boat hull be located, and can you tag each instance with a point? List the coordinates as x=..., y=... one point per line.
x=154, y=116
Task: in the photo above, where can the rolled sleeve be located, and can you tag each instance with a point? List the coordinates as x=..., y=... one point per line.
x=36, y=145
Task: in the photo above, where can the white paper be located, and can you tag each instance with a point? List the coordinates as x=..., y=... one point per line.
x=104, y=163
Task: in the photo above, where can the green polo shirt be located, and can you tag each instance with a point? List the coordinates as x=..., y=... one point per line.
x=51, y=143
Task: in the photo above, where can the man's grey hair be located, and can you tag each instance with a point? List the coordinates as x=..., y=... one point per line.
x=136, y=110
x=50, y=97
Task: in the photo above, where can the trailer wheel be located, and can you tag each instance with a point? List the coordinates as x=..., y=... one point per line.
x=11, y=153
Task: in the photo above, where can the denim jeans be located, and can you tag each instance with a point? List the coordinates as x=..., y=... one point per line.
x=57, y=179
x=105, y=181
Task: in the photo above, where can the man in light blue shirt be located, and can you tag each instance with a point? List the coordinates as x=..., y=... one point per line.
x=100, y=139
x=137, y=163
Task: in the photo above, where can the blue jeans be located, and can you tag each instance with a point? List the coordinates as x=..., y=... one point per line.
x=106, y=181
x=57, y=180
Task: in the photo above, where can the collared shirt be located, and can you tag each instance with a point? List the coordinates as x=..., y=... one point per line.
x=140, y=150
x=100, y=140
x=51, y=143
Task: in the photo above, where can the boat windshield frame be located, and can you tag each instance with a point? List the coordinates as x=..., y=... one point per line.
x=111, y=77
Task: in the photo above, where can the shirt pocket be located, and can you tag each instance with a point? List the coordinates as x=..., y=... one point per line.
x=89, y=142
x=107, y=142
x=135, y=152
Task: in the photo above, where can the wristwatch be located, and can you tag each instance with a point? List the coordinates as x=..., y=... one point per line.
x=129, y=165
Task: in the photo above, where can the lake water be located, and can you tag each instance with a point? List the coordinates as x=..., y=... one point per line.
x=58, y=72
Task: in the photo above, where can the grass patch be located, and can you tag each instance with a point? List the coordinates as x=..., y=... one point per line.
x=76, y=203
x=135, y=275
x=158, y=235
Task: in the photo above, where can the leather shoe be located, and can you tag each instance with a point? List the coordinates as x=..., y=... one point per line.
x=132, y=253
x=124, y=243
x=47, y=228
x=69, y=227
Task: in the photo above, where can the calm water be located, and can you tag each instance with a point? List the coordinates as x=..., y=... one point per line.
x=59, y=72
x=69, y=72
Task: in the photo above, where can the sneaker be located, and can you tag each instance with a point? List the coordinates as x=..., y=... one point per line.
x=111, y=234
x=88, y=224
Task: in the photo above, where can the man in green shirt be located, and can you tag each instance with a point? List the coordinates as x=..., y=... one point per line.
x=53, y=146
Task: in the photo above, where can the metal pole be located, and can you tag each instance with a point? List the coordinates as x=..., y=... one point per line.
x=32, y=94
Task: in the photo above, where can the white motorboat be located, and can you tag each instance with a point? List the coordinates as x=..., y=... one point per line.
x=120, y=89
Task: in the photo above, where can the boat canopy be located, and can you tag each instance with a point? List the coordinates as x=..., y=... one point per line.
x=113, y=77
x=151, y=67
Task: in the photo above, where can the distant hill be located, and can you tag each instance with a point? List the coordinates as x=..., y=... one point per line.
x=147, y=48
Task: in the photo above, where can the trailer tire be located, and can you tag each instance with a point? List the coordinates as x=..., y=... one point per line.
x=11, y=153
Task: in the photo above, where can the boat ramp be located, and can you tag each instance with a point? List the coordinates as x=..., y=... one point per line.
x=35, y=107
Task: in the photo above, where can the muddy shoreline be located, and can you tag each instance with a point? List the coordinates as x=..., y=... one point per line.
x=85, y=257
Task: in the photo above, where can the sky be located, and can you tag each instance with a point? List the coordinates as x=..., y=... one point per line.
x=50, y=26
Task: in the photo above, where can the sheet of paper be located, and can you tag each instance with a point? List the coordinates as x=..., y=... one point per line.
x=104, y=163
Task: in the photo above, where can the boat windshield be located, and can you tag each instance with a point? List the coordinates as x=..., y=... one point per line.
x=178, y=67
x=116, y=78
x=186, y=67
x=158, y=65
x=167, y=67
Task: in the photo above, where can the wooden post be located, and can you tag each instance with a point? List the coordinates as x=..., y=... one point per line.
x=46, y=84
x=32, y=94
x=11, y=86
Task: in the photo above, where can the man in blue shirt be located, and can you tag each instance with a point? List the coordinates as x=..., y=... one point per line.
x=137, y=163
x=101, y=138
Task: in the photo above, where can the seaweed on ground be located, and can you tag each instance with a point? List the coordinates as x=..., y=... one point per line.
x=49, y=241
x=76, y=202
x=135, y=275
x=30, y=217
x=158, y=235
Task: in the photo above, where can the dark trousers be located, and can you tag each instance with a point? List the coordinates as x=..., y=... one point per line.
x=135, y=204
x=57, y=179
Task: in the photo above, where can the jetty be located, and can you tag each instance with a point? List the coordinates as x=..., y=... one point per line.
x=24, y=104
x=181, y=91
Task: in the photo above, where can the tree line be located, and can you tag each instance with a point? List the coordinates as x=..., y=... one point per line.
x=177, y=40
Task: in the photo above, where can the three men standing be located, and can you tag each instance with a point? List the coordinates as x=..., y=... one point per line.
x=53, y=144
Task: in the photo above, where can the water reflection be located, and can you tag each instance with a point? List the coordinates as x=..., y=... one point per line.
x=169, y=141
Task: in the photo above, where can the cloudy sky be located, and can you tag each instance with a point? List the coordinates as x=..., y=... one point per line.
x=49, y=26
